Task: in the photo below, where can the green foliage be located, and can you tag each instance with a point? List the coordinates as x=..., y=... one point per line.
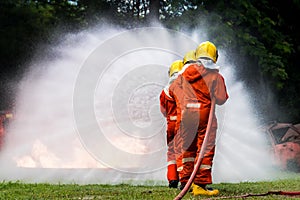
x=264, y=34
x=257, y=32
x=174, y=8
x=21, y=26
x=260, y=40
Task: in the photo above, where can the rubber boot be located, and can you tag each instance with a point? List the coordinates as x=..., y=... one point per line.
x=198, y=190
x=173, y=184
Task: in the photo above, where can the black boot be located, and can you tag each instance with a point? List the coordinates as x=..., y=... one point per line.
x=173, y=184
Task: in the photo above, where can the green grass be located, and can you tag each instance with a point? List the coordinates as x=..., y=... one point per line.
x=19, y=190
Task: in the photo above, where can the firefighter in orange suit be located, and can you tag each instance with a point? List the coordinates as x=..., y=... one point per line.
x=168, y=109
x=188, y=59
x=193, y=90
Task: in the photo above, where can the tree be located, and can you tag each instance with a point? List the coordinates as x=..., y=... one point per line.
x=265, y=45
x=264, y=34
x=23, y=26
x=151, y=9
x=154, y=7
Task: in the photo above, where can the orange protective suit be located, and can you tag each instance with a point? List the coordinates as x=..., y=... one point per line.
x=168, y=109
x=193, y=91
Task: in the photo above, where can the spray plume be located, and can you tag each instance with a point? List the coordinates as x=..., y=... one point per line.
x=91, y=113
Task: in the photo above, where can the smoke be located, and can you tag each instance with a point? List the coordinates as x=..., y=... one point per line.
x=242, y=150
x=90, y=114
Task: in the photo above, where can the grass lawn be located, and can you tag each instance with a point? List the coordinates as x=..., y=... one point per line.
x=19, y=190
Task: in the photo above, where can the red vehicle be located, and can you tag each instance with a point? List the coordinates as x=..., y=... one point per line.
x=5, y=116
x=285, y=145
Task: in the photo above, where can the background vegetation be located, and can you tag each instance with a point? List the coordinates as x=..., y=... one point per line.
x=262, y=36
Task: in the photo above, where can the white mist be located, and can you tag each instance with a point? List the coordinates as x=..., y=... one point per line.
x=45, y=142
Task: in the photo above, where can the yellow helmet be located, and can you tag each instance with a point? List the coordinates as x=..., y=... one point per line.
x=207, y=50
x=189, y=56
x=176, y=66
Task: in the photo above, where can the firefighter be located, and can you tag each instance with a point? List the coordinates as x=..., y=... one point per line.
x=168, y=109
x=188, y=59
x=193, y=90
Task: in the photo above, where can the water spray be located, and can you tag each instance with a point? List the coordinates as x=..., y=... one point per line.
x=96, y=77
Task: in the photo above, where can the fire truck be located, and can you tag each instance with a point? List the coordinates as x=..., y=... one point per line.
x=285, y=145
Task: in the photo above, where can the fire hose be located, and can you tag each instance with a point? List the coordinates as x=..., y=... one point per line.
x=199, y=161
x=201, y=154
x=285, y=193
